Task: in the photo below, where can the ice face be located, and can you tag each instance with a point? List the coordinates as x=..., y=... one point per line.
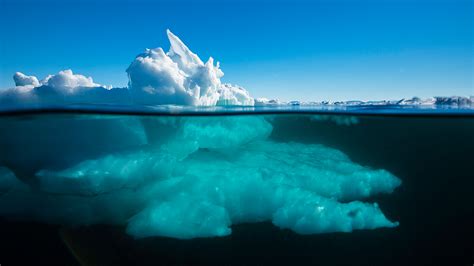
x=180, y=77
x=181, y=54
x=185, y=177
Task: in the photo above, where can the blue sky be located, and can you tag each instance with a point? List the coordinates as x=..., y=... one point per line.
x=306, y=50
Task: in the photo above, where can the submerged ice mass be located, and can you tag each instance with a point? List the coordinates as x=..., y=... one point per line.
x=187, y=177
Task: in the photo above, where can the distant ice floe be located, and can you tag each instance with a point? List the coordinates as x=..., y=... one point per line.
x=414, y=101
x=177, y=77
x=190, y=177
x=455, y=100
x=267, y=102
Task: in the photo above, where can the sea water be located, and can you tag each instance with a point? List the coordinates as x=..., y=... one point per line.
x=244, y=186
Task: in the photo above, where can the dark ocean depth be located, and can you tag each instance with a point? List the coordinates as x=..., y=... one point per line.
x=433, y=156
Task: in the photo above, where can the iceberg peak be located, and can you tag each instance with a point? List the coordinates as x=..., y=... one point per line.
x=178, y=48
x=179, y=77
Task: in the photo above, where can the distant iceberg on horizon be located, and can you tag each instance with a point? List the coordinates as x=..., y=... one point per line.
x=460, y=101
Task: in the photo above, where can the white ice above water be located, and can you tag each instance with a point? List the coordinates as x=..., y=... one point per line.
x=176, y=77
x=180, y=77
x=156, y=77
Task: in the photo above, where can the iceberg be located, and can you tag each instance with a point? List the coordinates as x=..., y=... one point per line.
x=60, y=89
x=22, y=80
x=174, y=175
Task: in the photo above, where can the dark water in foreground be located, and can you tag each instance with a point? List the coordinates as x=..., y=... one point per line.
x=432, y=156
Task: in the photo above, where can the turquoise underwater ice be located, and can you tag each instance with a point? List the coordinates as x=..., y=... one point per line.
x=188, y=177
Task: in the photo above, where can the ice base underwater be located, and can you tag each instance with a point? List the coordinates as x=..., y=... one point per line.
x=182, y=176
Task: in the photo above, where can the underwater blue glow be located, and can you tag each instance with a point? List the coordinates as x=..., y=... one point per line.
x=182, y=177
